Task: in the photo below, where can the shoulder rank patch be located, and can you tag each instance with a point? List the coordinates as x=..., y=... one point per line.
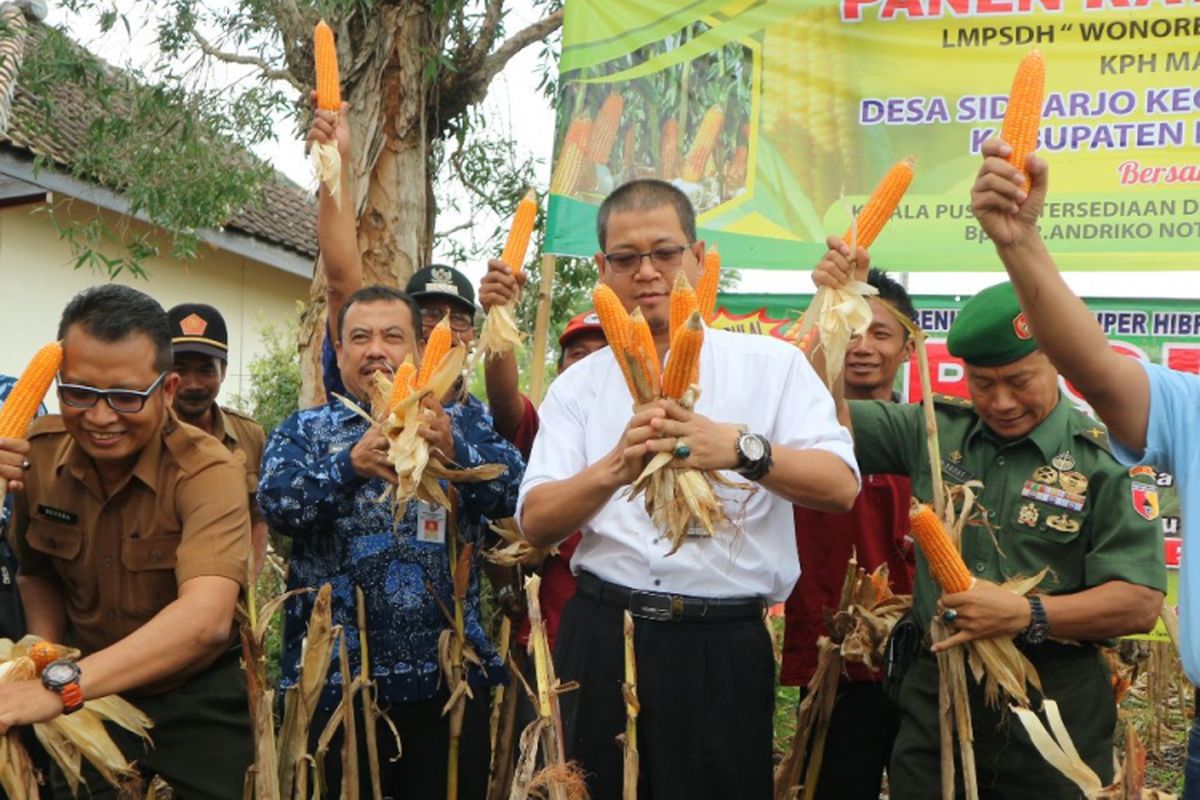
x=952, y=400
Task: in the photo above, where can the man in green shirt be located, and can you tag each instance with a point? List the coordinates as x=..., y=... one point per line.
x=1054, y=498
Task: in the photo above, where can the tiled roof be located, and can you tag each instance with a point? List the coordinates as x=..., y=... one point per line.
x=285, y=215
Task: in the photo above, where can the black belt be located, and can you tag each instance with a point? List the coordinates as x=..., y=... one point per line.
x=664, y=607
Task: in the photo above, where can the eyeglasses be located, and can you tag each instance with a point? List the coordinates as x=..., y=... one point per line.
x=662, y=258
x=460, y=321
x=123, y=401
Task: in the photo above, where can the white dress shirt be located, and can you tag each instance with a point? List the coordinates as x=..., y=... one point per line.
x=756, y=381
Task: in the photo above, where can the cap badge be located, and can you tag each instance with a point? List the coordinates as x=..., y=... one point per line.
x=193, y=325
x=1021, y=327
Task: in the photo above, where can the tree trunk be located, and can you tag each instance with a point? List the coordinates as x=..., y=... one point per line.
x=389, y=130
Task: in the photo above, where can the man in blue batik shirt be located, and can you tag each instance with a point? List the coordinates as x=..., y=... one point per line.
x=323, y=483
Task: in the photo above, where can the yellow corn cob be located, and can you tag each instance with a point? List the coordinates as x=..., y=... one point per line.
x=882, y=204
x=738, y=168
x=435, y=350
x=1024, y=115
x=22, y=404
x=705, y=140
x=329, y=91
x=945, y=563
x=518, y=235
x=709, y=283
x=402, y=383
x=669, y=150
x=569, y=168
x=614, y=319
x=683, y=362
x=645, y=354
x=603, y=134
x=628, y=145
x=683, y=303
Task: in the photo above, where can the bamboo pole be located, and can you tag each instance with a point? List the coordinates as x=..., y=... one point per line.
x=541, y=331
x=367, y=702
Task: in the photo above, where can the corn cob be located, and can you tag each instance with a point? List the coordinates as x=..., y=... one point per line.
x=329, y=92
x=683, y=303
x=435, y=350
x=669, y=150
x=710, y=281
x=603, y=134
x=881, y=205
x=945, y=562
x=22, y=404
x=518, y=236
x=738, y=168
x=628, y=145
x=683, y=363
x=402, y=383
x=1024, y=115
x=645, y=354
x=705, y=140
x=614, y=319
x=571, y=160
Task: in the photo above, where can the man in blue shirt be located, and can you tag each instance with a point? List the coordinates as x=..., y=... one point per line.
x=323, y=483
x=1150, y=410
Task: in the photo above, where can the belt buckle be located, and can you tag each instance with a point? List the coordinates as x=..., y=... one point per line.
x=656, y=606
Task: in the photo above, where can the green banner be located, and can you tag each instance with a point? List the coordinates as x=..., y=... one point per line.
x=778, y=117
x=1161, y=331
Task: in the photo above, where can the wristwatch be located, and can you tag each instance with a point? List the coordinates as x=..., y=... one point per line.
x=1039, y=626
x=754, y=456
x=62, y=677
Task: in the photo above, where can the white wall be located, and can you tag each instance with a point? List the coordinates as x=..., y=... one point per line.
x=37, y=279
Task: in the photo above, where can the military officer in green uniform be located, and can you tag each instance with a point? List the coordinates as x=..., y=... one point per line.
x=1054, y=498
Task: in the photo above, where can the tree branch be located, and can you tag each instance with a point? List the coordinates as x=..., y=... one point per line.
x=263, y=67
x=463, y=89
x=486, y=34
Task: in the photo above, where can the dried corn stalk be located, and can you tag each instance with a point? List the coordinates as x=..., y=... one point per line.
x=629, y=743
x=858, y=633
x=300, y=701
x=68, y=738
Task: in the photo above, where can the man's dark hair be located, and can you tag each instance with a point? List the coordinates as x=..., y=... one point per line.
x=645, y=194
x=892, y=292
x=375, y=294
x=113, y=313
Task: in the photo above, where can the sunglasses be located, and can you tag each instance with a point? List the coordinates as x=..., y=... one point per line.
x=123, y=401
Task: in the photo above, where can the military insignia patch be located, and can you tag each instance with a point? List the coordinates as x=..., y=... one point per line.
x=1062, y=523
x=1045, y=475
x=1145, y=499
x=1074, y=482
x=1063, y=462
x=956, y=457
x=1021, y=327
x=1028, y=515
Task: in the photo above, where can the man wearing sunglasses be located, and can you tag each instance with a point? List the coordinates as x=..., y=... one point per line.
x=133, y=536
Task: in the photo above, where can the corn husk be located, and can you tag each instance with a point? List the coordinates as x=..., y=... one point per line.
x=681, y=500
x=515, y=550
x=69, y=738
x=500, y=333
x=1056, y=746
x=327, y=167
x=837, y=315
x=417, y=474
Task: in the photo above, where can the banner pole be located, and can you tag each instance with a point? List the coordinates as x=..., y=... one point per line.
x=537, y=375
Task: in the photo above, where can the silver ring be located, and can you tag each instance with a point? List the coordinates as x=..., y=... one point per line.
x=949, y=615
x=682, y=451
x=25, y=465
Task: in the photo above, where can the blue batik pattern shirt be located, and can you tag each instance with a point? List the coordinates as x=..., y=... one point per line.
x=344, y=534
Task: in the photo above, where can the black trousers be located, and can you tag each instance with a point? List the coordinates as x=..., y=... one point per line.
x=859, y=743
x=421, y=769
x=707, y=694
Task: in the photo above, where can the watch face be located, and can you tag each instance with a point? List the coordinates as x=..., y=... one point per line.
x=60, y=673
x=752, y=447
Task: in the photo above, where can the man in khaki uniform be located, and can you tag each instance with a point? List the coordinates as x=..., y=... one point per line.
x=133, y=536
x=200, y=342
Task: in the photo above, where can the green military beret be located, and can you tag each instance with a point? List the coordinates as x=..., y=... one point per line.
x=991, y=329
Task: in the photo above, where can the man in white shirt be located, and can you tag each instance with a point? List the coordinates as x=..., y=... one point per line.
x=705, y=667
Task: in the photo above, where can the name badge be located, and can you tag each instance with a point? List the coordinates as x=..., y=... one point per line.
x=431, y=523
x=58, y=515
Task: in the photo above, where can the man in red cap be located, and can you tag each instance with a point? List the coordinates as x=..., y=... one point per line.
x=516, y=419
x=200, y=342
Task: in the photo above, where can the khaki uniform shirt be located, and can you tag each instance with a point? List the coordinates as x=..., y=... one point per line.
x=245, y=438
x=181, y=514
x=1055, y=498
